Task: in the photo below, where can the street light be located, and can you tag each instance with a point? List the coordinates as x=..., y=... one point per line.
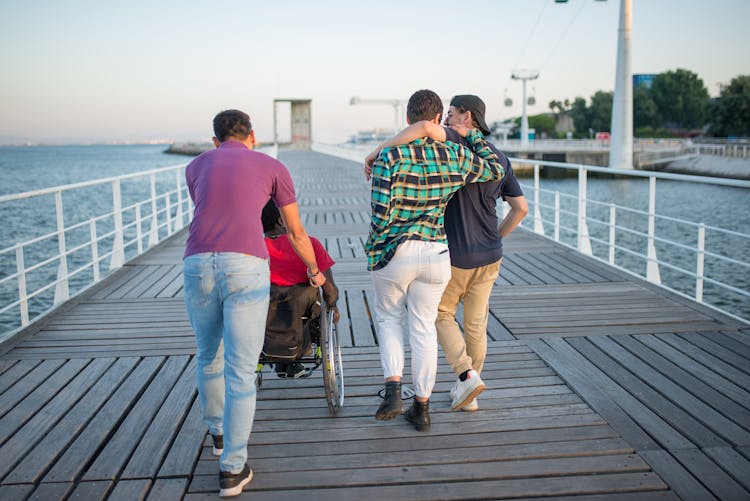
x=524, y=75
x=396, y=103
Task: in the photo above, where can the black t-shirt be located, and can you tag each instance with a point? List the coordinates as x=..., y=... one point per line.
x=471, y=216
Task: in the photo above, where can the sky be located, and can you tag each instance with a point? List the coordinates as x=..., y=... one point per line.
x=78, y=71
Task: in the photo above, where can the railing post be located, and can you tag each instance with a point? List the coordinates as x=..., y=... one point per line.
x=23, y=302
x=94, y=250
x=153, y=234
x=538, y=226
x=652, y=268
x=699, y=265
x=62, y=293
x=118, y=251
x=557, y=216
x=169, y=213
x=584, y=244
x=178, y=214
x=138, y=230
x=612, y=233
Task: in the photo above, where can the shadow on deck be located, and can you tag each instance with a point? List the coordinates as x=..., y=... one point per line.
x=600, y=386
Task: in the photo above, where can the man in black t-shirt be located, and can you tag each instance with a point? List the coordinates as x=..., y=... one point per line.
x=476, y=249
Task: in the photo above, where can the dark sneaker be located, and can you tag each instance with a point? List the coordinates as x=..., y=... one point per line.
x=296, y=370
x=280, y=368
x=231, y=484
x=218, y=444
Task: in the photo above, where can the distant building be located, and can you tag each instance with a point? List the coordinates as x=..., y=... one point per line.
x=644, y=79
x=564, y=123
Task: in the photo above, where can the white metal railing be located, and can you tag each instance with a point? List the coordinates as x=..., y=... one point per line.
x=550, y=214
x=572, y=219
x=158, y=206
x=724, y=150
x=124, y=231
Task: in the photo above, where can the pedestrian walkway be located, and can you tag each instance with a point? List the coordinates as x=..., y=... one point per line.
x=600, y=386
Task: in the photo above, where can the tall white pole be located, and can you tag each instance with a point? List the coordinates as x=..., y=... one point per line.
x=524, y=120
x=621, y=138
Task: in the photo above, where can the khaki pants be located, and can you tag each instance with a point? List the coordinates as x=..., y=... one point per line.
x=473, y=287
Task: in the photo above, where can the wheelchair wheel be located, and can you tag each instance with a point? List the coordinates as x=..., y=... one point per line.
x=333, y=369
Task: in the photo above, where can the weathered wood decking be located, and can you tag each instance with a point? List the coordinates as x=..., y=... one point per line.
x=600, y=387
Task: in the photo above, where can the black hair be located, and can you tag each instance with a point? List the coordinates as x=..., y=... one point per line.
x=232, y=123
x=424, y=105
x=270, y=216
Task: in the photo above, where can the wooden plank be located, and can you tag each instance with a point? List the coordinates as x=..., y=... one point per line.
x=92, y=490
x=118, y=448
x=676, y=476
x=16, y=372
x=731, y=462
x=423, y=475
x=710, y=475
x=15, y=492
x=114, y=290
x=695, y=407
x=21, y=441
x=703, y=372
x=185, y=448
x=127, y=490
x=96, y=433
x=715, y=363
x=573, y=373
x=480, y=489
x=34, y=463
x=174, y=289
x=400, y=430
x=22, y=379
x=731, y=357
x=46, y=492
x=540, y=269
x=363, y=332
x=168, y=489
x=513, y=267
x=138, y=287
x=516, y=452
x=499, y=438
x=686, y=379
x=156, y=442
x=641, y=414
x=157, y=288
x=730, y=343
x=574, y=266
x=677, y=418
x=26, y=405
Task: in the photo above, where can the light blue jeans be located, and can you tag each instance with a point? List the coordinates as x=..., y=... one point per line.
x=226, y=294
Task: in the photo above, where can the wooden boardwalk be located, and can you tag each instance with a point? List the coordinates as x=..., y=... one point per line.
x=600, y=386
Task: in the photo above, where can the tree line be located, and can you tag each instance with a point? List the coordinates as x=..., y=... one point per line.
x=676, y=104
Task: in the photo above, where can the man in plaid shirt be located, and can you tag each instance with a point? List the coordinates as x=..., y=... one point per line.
x=407, y=250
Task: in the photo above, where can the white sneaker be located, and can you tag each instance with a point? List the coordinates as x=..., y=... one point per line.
x=472, y=406
x=463, y=392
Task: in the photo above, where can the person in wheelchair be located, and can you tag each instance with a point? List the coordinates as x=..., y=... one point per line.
x=293, y=321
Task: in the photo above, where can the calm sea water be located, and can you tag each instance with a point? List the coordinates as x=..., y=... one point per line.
x=30, y=168
x=715, y=206
x=37, y=167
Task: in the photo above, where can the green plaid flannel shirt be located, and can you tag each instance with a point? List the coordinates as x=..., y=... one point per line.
x=411, y=186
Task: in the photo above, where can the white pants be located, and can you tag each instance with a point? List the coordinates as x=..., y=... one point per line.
x=410, y=286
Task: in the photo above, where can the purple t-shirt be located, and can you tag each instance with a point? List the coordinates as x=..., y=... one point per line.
x=229, y=187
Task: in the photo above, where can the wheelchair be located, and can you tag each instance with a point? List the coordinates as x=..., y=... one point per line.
x=324, y=353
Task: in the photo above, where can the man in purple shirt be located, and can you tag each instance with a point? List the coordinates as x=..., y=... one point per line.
x=227, y=282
